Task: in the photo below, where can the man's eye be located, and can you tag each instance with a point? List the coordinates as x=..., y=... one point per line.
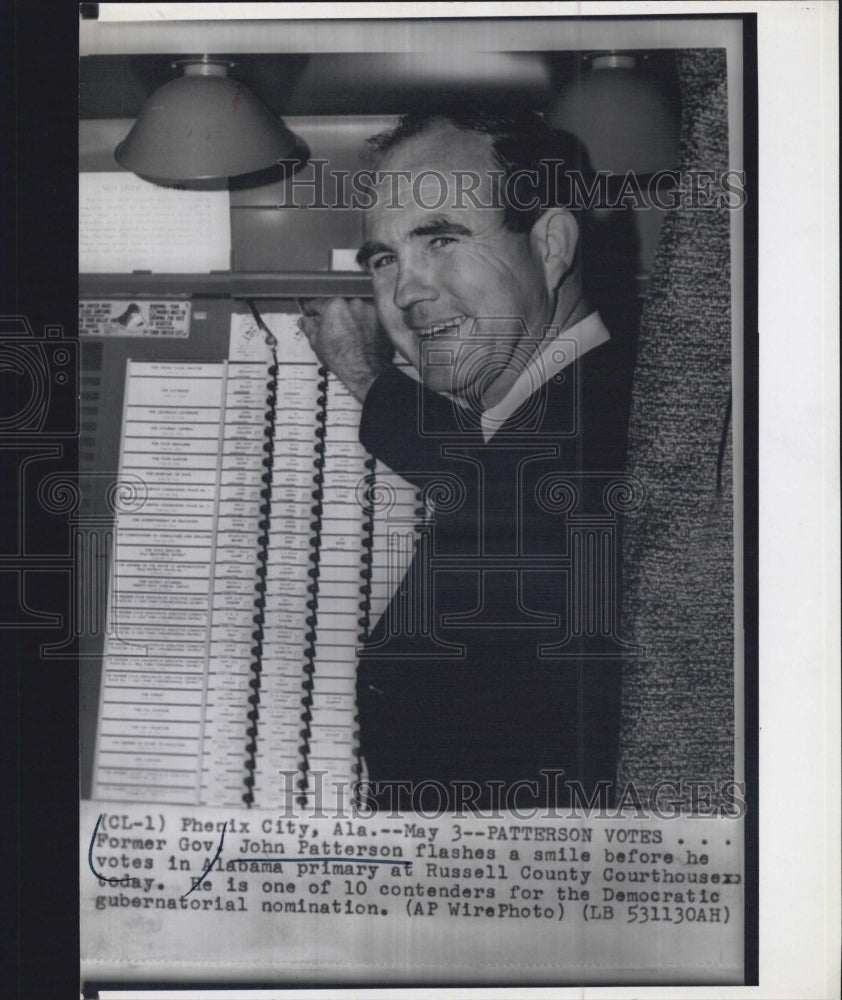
x=440, y=241
x=381, y=261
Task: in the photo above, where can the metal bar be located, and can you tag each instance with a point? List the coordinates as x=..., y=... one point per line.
x=299, y=284
x=228, y=284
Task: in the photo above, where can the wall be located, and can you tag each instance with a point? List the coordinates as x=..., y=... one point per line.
x=264, y=236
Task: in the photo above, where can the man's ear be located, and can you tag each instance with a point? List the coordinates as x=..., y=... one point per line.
x=554, y=239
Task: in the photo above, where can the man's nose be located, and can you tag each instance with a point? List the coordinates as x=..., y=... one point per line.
x=414, y=284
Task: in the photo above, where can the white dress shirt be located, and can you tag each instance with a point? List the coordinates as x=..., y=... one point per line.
x=549, y=360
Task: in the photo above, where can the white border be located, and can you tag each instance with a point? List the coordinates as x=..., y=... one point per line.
x=799, y=533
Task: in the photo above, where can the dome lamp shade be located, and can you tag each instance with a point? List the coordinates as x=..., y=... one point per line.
x=621, y=114
x=204, y=126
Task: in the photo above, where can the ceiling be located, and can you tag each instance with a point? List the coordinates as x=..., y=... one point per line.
x=346, y=83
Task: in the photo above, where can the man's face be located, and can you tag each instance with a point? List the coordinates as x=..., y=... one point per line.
x=461, y=297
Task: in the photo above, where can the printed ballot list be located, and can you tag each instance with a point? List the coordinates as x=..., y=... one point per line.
x=190, y=584
x=204, y=895
x=178, y=653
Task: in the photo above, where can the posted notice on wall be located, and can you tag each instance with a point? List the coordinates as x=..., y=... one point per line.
x=128, y=224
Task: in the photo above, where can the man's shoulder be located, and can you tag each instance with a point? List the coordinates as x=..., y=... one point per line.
x=607, y=368
x=597, y=382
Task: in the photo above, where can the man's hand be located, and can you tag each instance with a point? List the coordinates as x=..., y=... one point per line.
x=347, y=339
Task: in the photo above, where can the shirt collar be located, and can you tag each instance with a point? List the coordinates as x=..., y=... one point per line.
x=565, y=348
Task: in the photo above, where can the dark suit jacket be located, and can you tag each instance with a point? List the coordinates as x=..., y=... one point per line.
x=498, y=657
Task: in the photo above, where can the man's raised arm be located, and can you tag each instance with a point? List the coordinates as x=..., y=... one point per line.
x=347, y=339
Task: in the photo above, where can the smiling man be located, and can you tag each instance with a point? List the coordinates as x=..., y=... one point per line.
x=512, y=694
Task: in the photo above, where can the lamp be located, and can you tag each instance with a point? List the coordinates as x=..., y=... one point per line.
x=628, y=121
x=621, y=114
x=204, y=127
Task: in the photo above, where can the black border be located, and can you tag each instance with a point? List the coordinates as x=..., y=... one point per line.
x=39, y=70
x=38, y=84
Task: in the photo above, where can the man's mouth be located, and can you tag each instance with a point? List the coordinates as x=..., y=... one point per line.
x=442, y=327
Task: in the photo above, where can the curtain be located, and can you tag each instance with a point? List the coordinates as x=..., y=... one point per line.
x=678, y=691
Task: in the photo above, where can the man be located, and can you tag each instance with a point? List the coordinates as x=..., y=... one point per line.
x=512, y=696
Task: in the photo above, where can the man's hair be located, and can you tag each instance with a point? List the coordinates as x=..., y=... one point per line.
x=536, y=160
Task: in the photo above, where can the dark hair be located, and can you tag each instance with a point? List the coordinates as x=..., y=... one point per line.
x=537, y=161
